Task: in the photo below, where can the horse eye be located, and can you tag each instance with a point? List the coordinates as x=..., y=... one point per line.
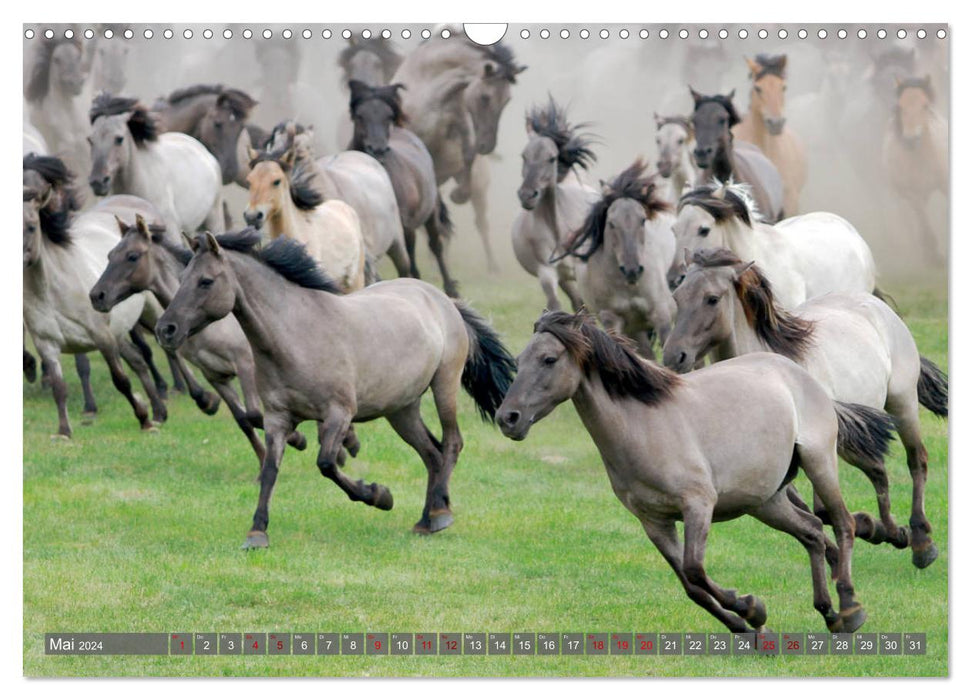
x=31, y=228
x=205, y=282
x=681, y=141
x=711, y=300
x=552, y=160
x=548, y=361
x=119, y=140
x=133, y=257
x=703, y=231
x=276, y=183
x=758, y=89
x=722, y=122
x=217, y=125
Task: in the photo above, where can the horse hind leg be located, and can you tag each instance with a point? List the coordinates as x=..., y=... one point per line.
x=436, y=243
x=123, y=385
x=664, y=536
x=229, y=396
x=547, y=282
x=436, y=514
x=400, y=257
x=83, y=366
x=135, y=334
x=136, y=361
x=480, y=210
x=207, y=402
x=333, y=435
x=410, y=237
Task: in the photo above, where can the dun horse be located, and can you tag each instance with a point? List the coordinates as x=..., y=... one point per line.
x=675, y=142
x=719, y=157
x=803, y=257
x=858, y=349
x=379, y=131
x=713, y=445
x=283, y=199
x=338, y=360
x=553, y=206
x=628, y=247
x=765, y=126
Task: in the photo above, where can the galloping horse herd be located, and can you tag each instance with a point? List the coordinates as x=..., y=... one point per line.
x=777, y=350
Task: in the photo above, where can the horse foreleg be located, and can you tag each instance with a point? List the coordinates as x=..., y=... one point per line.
x=333, y=434
x=207, y=402
x=924, y=551
x=123, y=385
x=137, y=363
x=276, y=433
x=246, y=372
x=401, y=258
x=411, y=428
x=228, y=394
x=50, y=357
x=30, y=367
x=410, y=236
x=135, y=334
x=568, y=283
x=664, y=536
x=83, y=367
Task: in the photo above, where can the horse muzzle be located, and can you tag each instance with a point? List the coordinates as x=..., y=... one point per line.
x=170, y=335
x=632, y=274
x=254, y=218
x=664, y=168
x=99, y=300
x=512, y=424
x=775, y=125
x=678, y=359
x=100, y=185
x=528, y=198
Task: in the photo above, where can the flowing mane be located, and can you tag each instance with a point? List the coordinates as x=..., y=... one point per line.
x=630, y=184
x=771, y=65
x=141, y=124
x=726, y=103
x=573, y=148
x=187, y=93
x=362, y=92
x=302, y=191
x=285, y=256
x=39, y=82
x=380, y=47
x=723, y=201
x=622, y=372
x=57, y=216
x=504, y=58
x=780, y=330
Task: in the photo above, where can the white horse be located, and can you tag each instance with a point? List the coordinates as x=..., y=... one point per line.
x=173, y=171
x=62, y=261
x=675, y=142
x=284, y=200
x=803, y=256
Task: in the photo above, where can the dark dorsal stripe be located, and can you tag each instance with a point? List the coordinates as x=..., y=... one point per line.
x=622, y=372
x=781, y=331
x=630, y=184
x=287, y=257
x=573, y=148
x=721, y=208
x=141, y=124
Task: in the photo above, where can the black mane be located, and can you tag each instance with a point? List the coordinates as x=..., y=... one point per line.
x=721, y=208
x=39, y=82
x=285, y=256
x=55, y=223
x=630, y=184
x=302, y=191
x=573, y=148
x=683, y=122
x=380, y=47
x=142, y=124
x=187, y=93
x=362, y=92
x=504, y=58
x=726, y=103
x=622, y=372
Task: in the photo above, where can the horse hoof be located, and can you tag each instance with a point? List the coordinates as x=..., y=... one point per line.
x=925, y=556
x=902, y=540
x=87, y=418
x=865, y=526
x=256, y=539
x=297, y=441
x=60, y=437
x=756, y=615
x=437, y=520
x=208, y=404
x=382, y=498
x=151, y=428
x=852, y=619
x=452, y=291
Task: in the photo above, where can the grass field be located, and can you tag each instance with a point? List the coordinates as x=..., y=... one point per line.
x=125, y=531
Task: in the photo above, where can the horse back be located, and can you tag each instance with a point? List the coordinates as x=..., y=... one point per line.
x=754, y=168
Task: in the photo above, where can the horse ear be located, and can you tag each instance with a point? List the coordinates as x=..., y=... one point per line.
x=605, y=188
x=897, y=82
x=730, y=96
x=190, y=242
x=696, y=96
x=121, y=225
x=753, y=67
x=212, y=244
x=519, y=69
x=289, y=157
x=657, y=120
x=742, y=268
x=252, y=154
x=142, y=227
x=783, y=60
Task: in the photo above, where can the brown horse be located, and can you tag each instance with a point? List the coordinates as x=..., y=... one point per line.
x=765, y=126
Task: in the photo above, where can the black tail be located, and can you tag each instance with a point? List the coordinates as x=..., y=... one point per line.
x=864, y=433
x=445, y=219
x=489, y=368
x=886, y=299
x=932, y=388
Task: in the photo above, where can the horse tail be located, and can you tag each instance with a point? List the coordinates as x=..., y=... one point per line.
x=932, y=388
x=864, y=433
x=445, y=220
x=886, y=299
x=489, y=368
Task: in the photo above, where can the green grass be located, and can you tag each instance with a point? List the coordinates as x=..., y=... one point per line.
x=125, y=531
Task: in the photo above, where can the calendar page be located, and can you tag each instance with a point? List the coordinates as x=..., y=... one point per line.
x=553, y=350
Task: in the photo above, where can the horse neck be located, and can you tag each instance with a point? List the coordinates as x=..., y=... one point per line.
x=723, y=164
x=743, y=339
x=604, y=418
x=756, y=124
x=165, y=280
x=287, y=221
x=738, y=238
x=546, y=209
x=686, y=173
x=132, y=177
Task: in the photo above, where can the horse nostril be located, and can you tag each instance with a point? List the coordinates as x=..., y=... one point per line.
x=640, y=269
x=510, y=418
x=682, y=357
x=168, y=330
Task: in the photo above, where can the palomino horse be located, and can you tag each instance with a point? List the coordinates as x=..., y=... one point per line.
x=355, y=178
x=765, y=126
x=337, y=359
x=373, y=62
x=283, y=199
x=803, y=257
x=173, y=171
x=628, y=247
x=675, y=142
x=456, y=93
x=216, y=117
x=915, y=155
x=709, y=446
x=145, y=261
x=720, y=158
x=58, y=95
x=379, y=131
x=63, y=257
x=552, y=206
x=853, y=344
